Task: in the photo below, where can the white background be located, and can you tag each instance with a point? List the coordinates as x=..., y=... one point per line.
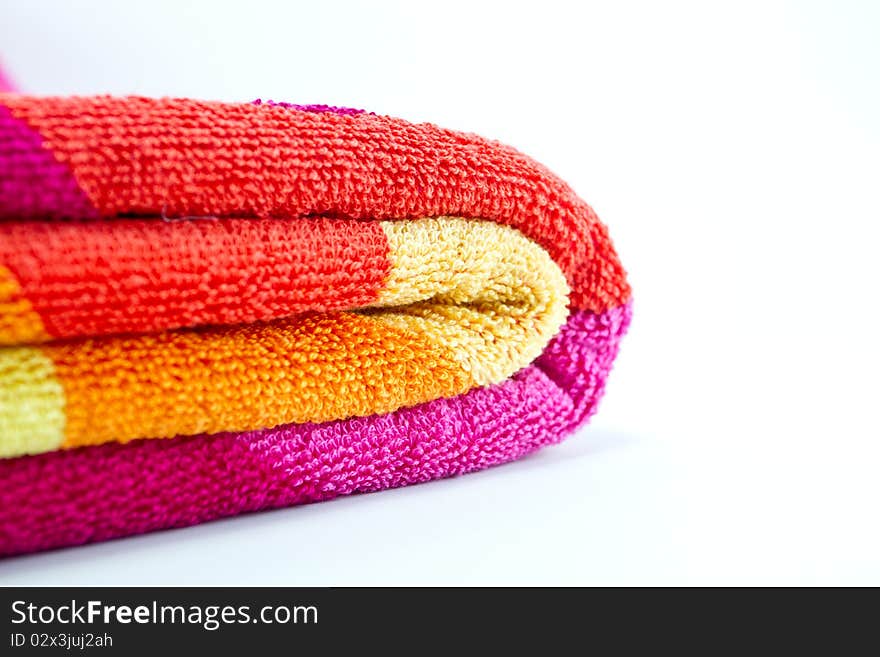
x=733, y=151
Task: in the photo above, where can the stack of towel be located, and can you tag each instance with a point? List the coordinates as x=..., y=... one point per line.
x=208, y=309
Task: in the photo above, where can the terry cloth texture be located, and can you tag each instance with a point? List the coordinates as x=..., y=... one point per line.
x=209, y=308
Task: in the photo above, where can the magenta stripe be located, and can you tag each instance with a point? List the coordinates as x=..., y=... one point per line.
x=345, y=111
x=33, y=184
x=97, y=493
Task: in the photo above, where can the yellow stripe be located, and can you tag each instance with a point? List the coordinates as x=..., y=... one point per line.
x=482, y=291
x=31, y=403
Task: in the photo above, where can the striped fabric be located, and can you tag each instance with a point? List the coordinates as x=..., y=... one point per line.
x=209, y=308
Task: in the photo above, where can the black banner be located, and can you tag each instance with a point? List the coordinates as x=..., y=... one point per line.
x=153, y=621
x=144, y=620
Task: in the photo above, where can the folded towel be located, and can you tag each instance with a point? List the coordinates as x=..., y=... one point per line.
x=301, y=301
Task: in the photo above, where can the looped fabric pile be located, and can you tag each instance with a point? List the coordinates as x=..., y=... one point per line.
x=208, y=309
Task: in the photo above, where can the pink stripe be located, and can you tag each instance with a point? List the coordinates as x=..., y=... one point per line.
x=98, y=493
x=345, y=111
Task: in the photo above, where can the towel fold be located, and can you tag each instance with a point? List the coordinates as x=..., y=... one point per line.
x=211, y=308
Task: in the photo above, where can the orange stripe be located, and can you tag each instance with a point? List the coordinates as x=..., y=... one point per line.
x=19, y=322
x=313, y=368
